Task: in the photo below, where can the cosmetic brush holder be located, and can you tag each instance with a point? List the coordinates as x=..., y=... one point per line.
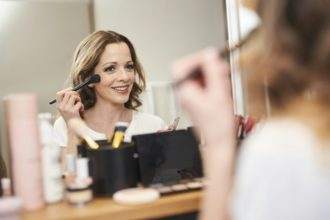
x=111, y=169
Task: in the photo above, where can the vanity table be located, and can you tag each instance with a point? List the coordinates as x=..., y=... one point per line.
x=106, y=208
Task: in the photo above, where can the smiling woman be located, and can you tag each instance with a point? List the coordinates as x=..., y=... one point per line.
x=115, y=98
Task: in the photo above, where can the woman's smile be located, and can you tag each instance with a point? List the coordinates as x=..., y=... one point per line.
x=124, y=89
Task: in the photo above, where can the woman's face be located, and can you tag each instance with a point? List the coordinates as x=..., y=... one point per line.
x=116, y=69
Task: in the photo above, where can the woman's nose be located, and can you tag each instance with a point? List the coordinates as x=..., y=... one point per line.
x=124, y=75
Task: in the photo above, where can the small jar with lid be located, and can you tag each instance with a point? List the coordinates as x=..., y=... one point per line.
x=78, y=192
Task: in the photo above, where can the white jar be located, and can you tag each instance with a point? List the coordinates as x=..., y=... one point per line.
x=51, y=165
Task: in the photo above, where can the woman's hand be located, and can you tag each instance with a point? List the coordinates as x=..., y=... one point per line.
x=209, y=105
x=172, y=126
x=69, y=104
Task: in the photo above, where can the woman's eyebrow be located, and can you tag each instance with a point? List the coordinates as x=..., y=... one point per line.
x=107, y=63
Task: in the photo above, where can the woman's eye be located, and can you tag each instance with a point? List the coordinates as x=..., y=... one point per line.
x=110, y=69
x=130, y=67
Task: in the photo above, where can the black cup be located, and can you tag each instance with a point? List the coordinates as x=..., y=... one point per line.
x=112, y=169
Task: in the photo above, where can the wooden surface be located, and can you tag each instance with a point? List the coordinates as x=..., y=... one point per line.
x=106, y=208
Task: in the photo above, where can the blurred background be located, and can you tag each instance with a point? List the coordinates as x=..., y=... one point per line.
x=38, y=38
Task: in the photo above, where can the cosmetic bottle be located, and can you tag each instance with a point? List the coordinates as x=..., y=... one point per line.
x=70, y=164
x=51, y=166
x=6, y=187
x=10, y=206
x=119, y=133
x=69, y=174
x=78, y=192
x=25, y=148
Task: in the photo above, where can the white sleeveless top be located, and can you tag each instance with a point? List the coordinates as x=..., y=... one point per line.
x=283, y=173
x=141, y=123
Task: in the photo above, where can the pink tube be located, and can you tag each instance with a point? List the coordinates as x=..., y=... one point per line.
x=22, y=129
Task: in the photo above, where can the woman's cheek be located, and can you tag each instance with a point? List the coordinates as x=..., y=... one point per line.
x=107, y=81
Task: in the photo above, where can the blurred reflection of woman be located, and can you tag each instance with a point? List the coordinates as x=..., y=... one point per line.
x=284, y=167
x=115, y=98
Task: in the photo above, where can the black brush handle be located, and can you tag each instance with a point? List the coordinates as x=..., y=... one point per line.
x=52, y=102
x=93, y=79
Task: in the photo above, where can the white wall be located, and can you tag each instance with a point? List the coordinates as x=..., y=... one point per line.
x=37, y=40
x=163, y=30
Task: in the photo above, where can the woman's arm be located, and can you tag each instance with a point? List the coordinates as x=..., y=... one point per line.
x=210, y=107
x=218, y=168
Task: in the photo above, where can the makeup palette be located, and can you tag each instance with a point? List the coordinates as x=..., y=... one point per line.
x=169, y=162
x=180, y=187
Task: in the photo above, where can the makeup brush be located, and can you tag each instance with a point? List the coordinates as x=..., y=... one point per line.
x=79, y=127
x=92, y=79
x=197, y=74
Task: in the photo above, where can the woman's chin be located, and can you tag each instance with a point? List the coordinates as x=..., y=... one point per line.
x=120, y=100
x=116, y=99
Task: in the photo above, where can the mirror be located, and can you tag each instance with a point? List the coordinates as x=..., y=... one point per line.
x=37, y=40
x=241, y=20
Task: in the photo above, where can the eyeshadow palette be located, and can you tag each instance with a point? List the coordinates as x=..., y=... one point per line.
x=185, y=186
x=169, y=161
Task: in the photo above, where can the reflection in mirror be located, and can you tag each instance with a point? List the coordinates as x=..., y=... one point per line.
x=36, y=43
x=38, y=38
x=241, y=20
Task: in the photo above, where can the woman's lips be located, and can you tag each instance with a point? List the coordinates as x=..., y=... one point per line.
x=121, y=89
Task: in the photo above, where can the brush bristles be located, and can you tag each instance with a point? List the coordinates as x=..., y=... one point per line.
x=95, y=78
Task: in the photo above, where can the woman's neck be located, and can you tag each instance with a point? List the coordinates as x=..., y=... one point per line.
x=103, y=116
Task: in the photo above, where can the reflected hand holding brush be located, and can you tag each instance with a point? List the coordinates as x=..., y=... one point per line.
x=92, y=79
x=174, y=125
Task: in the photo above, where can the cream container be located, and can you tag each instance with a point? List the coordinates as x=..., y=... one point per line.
x=22, y=128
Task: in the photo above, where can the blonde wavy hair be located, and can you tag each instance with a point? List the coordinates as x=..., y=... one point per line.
x=290, y=59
